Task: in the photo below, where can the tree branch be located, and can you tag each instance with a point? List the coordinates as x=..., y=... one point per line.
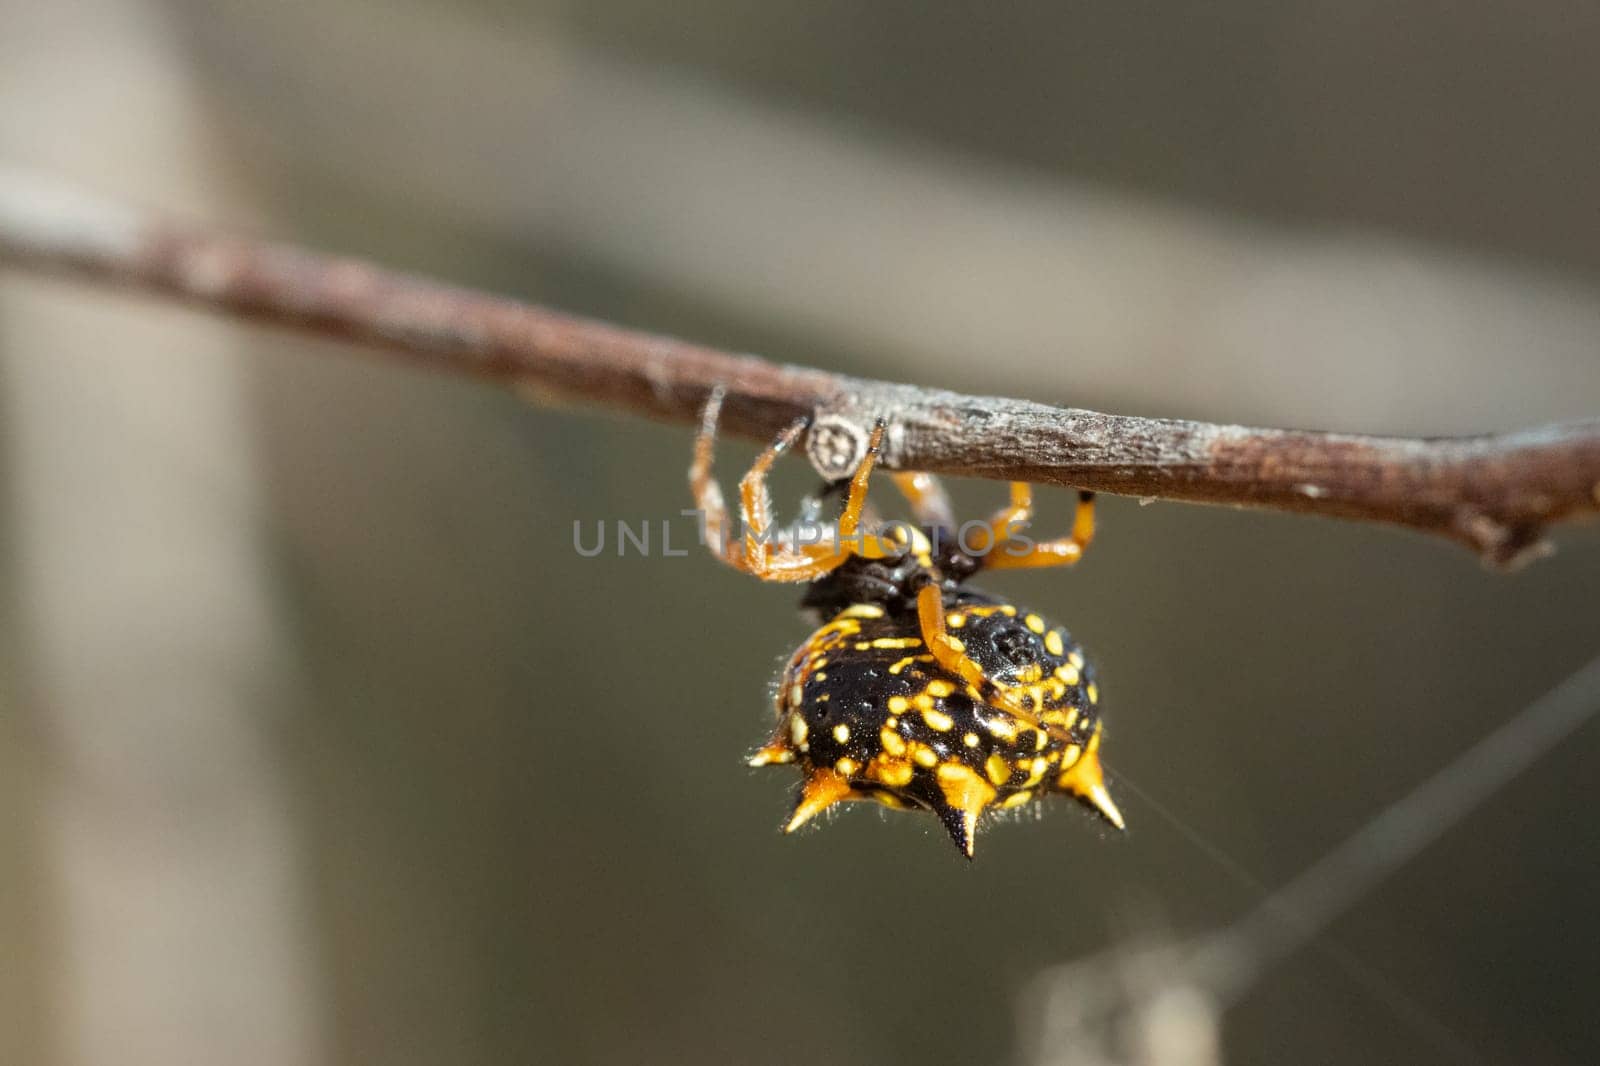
x=1495, y=494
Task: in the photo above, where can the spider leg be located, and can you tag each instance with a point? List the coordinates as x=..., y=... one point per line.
x=755, y=505
x=951, y=655
x=761, y=552
x=810, y=561
x=755, y=509
x=704, y=488
x=929, y=504
x=947, y=651
x=810, y=523
x=850, y=519
x=997, y=554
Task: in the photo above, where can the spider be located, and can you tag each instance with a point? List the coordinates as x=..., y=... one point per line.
x=916, y=692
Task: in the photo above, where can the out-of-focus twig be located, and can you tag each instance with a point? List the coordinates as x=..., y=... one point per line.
x=1496, y=494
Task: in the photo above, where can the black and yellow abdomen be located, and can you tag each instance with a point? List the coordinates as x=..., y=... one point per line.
x=866, y=712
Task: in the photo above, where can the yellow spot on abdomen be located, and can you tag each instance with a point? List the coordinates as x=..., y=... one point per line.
x=1001, y=728
x=1052, y=643
x=963, y=789
x=841, y=733
x=1064, y=719
x=896, y=774
x=938, y=720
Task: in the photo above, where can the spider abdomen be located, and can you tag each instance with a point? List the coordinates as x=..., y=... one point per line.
x=866, y=712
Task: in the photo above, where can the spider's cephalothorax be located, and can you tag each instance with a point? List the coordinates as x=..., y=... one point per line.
x=917, y=692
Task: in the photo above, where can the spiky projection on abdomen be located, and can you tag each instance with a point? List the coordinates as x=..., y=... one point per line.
x=866, y=712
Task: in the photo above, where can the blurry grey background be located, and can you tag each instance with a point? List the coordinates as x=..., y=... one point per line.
x=319, y=744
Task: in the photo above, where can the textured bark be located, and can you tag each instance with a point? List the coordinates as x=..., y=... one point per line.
x=1495, y=494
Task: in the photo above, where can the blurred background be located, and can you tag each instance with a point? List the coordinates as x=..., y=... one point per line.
x=320, y=745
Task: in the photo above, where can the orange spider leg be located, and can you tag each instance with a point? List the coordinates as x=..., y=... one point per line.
x=811, y=561
x=1002, y=524
x=850, y=519
x=755, y=509
x=929, y=504
x=707, y=493
x=755, y=506
x=947, y=651
x=1063, y=551
x=756, y=554
x=952, y=656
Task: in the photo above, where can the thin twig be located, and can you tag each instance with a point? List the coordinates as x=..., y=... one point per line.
x=1496, y=494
